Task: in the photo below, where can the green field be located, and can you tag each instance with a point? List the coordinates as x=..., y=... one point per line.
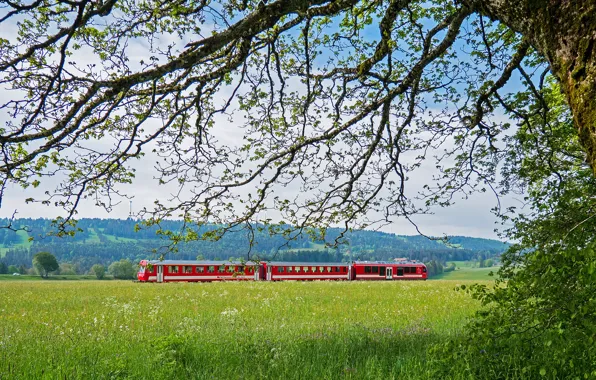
x=57, y=277
x=288, y=330
x=467, y=273
x=23, y=242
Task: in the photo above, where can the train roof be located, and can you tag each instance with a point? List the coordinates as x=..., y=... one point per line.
x=305, y=264
x=411, y=262
x=196, y=262
x=273, y=263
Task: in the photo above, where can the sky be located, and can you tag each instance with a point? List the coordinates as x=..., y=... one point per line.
x=468, y=217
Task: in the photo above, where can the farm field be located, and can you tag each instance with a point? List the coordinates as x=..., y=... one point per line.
x=288, y=330
x=468, y=274
x=59, y=277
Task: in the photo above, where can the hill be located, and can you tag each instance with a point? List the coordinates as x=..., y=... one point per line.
x=107, y=240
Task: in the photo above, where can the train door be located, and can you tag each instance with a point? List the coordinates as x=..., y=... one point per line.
x=257, y=272
x=389, y=273
x=159, y=273
x=268, y=273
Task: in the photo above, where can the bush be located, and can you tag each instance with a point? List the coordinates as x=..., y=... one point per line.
x=122, y=269
x=99, y=271
x=449, y=268
x=67, y=269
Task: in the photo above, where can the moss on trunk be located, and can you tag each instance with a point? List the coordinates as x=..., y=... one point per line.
x=564, y=32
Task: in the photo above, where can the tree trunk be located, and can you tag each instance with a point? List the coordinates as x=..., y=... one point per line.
x=563, y=31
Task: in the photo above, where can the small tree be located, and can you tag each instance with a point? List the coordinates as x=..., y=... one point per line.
x=3, y=268
x=99, y=271
x=122, y=269
x=45, y=263
x=13, y=269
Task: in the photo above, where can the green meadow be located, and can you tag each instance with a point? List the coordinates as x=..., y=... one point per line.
x=468, y=274
x=250, y=330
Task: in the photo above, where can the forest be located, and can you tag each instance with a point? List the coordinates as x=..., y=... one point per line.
x=103, y=241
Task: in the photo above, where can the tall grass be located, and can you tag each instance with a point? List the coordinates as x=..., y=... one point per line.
x=289, y=330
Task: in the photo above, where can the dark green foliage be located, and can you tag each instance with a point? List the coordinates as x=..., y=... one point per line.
x=45, y=263
x=99, y=271
x=3, y=268
x=123, y=270
x=540, y=319
x=434, y=268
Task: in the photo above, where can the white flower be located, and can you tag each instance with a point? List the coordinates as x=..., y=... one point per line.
x=229, y=312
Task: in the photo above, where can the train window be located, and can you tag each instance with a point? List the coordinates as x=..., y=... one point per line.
x=367, y=270
x=423, y=269
x=382, y=271
x=211, y=269
x=240, y=268
x=400, y=271
x=375, y=269
x=344, y=269
x=172, y=269
x=200, y=269
x=187, y=269
x=280, y=269
x=251, y=269
x=336, y=269
x=328, y=269
x=321, y=269
x=289, y=269
x=221, y=269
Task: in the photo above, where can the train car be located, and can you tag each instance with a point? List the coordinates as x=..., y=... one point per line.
x=388, y=270
x=198, y=271
x=207, y=271
x=284, y=271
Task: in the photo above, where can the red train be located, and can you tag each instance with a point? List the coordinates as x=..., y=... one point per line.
x=206, y=271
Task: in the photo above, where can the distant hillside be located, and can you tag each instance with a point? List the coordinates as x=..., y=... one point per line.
x=107, y=240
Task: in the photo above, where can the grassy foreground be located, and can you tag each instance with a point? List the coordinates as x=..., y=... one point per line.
x=290, y=330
